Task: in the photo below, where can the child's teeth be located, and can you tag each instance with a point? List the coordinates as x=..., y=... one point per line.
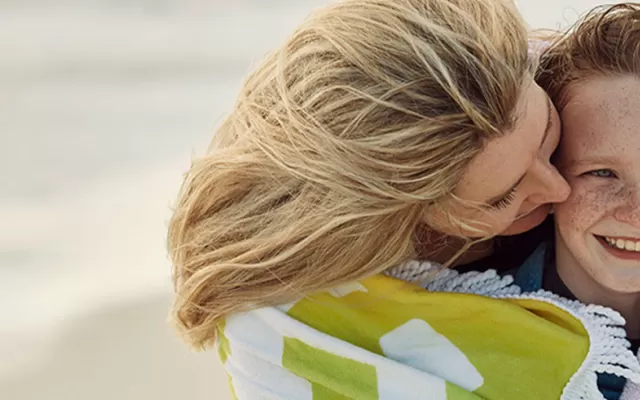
x=623, y=244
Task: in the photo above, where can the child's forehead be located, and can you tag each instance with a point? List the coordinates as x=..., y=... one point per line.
x=603, y=115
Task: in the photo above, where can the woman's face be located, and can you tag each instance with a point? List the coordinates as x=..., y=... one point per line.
x=598, y=227
x=512, y=178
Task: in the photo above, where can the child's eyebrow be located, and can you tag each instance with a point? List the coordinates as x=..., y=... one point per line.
x=593, y=160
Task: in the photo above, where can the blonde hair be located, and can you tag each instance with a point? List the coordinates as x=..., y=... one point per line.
x=338, y=142
x=603, y=42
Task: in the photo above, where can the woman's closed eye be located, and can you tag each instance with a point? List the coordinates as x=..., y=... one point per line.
x=601, y=173
x=505, y=201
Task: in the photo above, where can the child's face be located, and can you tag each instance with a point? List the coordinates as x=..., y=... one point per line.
x=599, y=155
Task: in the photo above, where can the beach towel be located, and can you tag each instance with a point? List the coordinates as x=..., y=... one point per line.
x=467, y=336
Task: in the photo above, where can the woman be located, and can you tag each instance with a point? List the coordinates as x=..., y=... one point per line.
x=381, y=132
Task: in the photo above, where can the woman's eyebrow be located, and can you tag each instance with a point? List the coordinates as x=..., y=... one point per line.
x=547, y=129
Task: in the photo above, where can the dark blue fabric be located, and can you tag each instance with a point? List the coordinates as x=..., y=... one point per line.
x=529, y=275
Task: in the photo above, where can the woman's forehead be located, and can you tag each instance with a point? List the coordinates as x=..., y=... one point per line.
x=504, y=160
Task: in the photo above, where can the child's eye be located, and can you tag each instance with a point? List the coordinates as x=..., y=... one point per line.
x=602, y=173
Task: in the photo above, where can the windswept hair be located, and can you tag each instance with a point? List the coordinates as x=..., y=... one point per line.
x=604, y=42
x=338, y=142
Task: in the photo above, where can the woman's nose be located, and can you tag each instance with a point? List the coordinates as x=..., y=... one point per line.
x=551, y=186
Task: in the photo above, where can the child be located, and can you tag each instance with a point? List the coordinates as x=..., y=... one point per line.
x=592, y=74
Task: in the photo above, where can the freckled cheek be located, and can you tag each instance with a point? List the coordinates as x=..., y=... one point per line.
x=584, y=207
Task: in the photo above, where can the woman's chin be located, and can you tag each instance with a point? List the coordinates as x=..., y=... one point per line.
x=528, y=222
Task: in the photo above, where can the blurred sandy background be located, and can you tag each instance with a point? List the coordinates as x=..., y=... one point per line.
x=102, y=104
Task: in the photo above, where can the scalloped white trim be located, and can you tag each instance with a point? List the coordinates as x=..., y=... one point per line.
x=608, y=347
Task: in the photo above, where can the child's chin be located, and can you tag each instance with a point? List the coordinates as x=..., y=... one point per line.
x=623, y=283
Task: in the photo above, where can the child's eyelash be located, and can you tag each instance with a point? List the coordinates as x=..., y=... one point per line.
x=601, y=173
x=505, y=201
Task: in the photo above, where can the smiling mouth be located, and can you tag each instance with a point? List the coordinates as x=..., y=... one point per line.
x=624, y=248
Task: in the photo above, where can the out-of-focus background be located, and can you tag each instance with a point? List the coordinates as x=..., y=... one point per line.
x=102, y=104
